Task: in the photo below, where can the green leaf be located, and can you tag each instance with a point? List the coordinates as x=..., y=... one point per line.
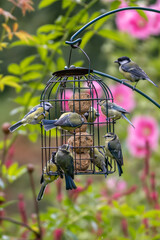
x=111, y=34
x=31, y=75
x=14, y=68
x=86, y=38
x=25, y=62
x=33, y=67
x=49, y=27
x=7, y=204
x=66, y=4
x=45, y=3
x=43, y=52
x=115, y=4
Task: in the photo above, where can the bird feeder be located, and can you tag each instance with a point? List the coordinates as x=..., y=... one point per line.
x=81, y=84
x=84, y=97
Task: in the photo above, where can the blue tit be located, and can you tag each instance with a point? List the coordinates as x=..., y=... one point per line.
x=64, y=161
x=46, y=178
x=34, y=116
x=131, y=71
x=91, y=115
x=67, y=121
x=98, y=158
x=115, y=111
x=113, y=150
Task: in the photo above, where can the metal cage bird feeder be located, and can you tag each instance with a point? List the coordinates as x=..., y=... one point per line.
x=84, y=94
x=81, y=83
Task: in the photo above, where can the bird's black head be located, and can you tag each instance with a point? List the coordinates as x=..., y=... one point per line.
x=123, y=60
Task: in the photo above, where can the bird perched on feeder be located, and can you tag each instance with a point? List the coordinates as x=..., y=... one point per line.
x=113, y=150
x=64, y=161
x=46, y=178
x=98, y=158
x=113, y=111
x=67, y=121
x=131, y=71
x=91, y=115
x=34, y=116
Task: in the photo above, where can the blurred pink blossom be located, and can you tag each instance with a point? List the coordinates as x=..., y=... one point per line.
x=145, y=132
x=97, y=90
x=68, y=94
x=137, y=26
x=123, y=96
x=116, y=185
x=58, y=234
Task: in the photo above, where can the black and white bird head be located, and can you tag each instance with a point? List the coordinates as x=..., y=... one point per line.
x=47, y=105
x=122, y=60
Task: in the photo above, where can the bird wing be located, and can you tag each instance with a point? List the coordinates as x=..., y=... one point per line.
x=119, y=108
x=114, y=147
x=32, y=110
x=134, y=69
x=63, y=121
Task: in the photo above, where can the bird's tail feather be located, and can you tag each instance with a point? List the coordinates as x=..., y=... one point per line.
x=152, y=82
x=119, y=169
x=124, y=116
x=104, y=170
x=41, y=192
x=48, y=124
x=69, y=183
x=15, y=126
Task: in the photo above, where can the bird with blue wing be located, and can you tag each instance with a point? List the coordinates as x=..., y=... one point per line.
x=34, y=116
x=67, y=121
x=131, y=71
x=113, y=111
x=113, y=150
x=64, y=161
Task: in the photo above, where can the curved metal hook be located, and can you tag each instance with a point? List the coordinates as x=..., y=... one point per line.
x=72, y=43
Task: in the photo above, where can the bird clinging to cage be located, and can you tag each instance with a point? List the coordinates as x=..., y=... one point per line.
x=67, y=121
x=64, y=161
x=34, y=116
x=98, y=158
x=46, y=178
x=113, y=150
x=113, y=111
x=91, y=115
x=131, y=71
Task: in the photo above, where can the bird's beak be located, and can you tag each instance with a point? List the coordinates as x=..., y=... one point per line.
x=116, y=61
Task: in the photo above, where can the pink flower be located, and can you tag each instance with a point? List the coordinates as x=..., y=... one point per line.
x=116, y=185
x=68, y=94
x=146, y=131
x=58, y=234
x=123, y=96
x=154, y=19
x=96, y=90
x=137, y=26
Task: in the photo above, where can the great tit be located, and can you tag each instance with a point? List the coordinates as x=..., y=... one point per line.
x=131, y=71
x=64, y=161
x=67, y=121
x=46, y=178
x=34, y=116
x=91, y=115
x=98, y=158
x=113, y=150
x=115, y=111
